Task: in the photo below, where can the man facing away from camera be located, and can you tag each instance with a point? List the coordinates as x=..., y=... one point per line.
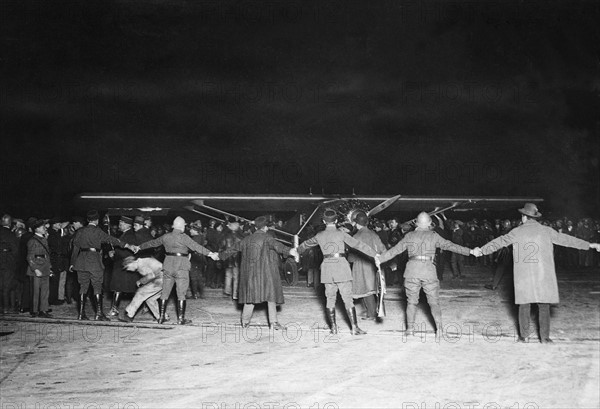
x=534, y=272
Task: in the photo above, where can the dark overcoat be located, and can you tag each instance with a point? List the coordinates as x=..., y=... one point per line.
x=259, y=269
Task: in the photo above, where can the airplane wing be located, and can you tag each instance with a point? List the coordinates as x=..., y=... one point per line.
x=158, y=202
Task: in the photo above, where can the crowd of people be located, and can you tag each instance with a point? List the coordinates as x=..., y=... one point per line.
x=41, y=261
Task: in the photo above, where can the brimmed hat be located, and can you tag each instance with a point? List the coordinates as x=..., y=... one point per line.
x=77, y=219
x=92, y=215
x=126, y=220
x=196, y=225
x=37, y=223
x=530, y=210
x=233, y=225
x=329, y=216
x=138, y=220
x=260, y=222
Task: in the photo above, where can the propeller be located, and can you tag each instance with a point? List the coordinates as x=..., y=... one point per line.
x=383, y=205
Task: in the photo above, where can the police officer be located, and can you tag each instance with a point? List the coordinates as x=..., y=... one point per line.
x=86, y=259
x=421, y=245
x=39, y=268
x=176, y=266
x=335, y=270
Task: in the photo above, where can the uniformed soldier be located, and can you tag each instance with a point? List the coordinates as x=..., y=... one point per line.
x=420, y=272
x=335, y=270
x=86, y=259
x=9, y=249
x=39, y=268
x=176, y=266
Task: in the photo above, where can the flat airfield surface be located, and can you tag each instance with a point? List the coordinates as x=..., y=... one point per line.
x=214, y=363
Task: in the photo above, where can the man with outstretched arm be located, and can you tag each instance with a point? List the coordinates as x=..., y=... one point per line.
x=420, y=270
x=335, y=270
x=534, y=273
x=176, y=266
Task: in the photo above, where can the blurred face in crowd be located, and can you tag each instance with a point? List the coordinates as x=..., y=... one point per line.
x=148, y=223
x=124, y=226
x=393, y=224
x=6, y=220
x=137, y=226
x=42, y=230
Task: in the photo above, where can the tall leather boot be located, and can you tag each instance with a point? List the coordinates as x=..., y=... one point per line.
x=181, y=313
x=353, y=321
x=114, y=308
x=100, y=309
x=82, y=316
x=162, y=309
x=332, y=323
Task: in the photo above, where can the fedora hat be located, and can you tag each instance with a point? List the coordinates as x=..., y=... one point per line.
x=530, y=210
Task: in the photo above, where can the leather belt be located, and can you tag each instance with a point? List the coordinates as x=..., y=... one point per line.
x=422, y=258
x=90, y=249
x=177, y=254
x=334, y=255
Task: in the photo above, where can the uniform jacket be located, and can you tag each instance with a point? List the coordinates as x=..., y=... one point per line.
x=364, y=272
x=331, y=241
x=38, y=246
x=533, y=258
x=176, y=242
x=259, y=269
x=422, y=242
x=9, y=250
x=90, y=236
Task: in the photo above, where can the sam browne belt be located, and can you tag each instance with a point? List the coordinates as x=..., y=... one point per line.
x=177, y=254
x=92, y=249
x=421, y=258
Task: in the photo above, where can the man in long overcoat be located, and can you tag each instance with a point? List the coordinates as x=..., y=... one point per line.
x=535, y=276
x=259, y=271
x=123, y=281
x=364, y=272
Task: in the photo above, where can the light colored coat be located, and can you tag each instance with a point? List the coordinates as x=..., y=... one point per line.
x=533, y=255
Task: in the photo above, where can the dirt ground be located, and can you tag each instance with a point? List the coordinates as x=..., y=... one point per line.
x=215, y=364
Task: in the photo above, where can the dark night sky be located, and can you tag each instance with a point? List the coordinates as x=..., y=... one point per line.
x=415, y=97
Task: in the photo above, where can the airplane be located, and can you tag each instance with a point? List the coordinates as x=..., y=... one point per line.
x=306, y=209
